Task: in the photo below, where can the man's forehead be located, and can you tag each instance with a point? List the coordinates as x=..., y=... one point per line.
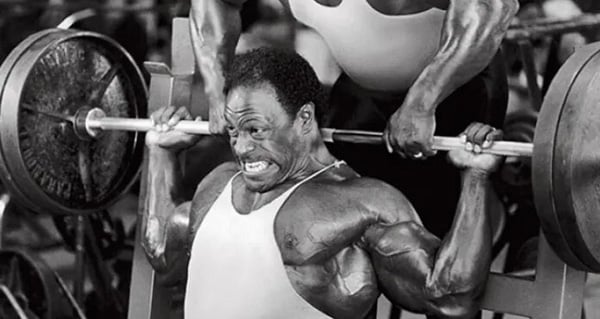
x=260, y=99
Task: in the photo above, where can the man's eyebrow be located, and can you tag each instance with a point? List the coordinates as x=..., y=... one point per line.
x=251, y=118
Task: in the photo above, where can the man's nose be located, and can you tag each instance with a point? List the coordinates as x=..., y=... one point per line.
x=243, y=145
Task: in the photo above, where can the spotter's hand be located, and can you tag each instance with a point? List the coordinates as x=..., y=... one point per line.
x=410, y=133
x=476, y=138
x=163, y=134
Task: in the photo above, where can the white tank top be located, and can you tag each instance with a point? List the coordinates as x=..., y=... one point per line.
x=379, y=52
x=236, y=270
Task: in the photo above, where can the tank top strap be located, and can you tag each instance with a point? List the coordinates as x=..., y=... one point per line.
x=229, y=186
x=228, y=189
x=317, y=173
x=274, y=205
x=283, y=197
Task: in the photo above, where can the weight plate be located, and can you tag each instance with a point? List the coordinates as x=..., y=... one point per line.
x=46, y=166
x=566, y=162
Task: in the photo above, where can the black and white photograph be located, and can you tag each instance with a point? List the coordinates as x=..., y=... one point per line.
x=299, y=159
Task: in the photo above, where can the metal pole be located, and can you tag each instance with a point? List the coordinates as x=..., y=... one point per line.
x=4, y=200
x=527, y=56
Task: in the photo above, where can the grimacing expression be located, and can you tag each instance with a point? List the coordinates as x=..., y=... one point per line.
x=262, y=136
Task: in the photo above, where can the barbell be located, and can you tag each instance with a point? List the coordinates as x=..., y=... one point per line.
x=91, y=122
x=73, y=112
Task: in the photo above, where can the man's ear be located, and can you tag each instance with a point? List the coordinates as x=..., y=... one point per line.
x=306, y=116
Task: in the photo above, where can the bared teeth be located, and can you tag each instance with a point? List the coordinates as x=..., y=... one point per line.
x=255, y=167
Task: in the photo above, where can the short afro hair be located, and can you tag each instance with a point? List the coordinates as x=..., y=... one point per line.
x=294, y=80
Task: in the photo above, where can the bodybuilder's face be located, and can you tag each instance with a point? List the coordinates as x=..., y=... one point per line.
x=262, y=136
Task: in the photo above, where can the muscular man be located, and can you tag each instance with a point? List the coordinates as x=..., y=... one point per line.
x=289, y=231
x=411, y=68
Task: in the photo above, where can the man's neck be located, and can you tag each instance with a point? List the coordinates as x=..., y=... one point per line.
x=319, y=155
x=315, y=158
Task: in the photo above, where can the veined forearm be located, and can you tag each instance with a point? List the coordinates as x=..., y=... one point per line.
x=471, y=36
x=463, y=259
x=162, y=186
x=215, y=29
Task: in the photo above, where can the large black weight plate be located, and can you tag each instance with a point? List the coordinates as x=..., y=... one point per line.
x=63, y=71
x=566, y=161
